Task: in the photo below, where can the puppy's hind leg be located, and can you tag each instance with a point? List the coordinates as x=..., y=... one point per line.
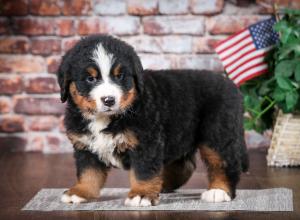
x=177, y=173
x=221, y=176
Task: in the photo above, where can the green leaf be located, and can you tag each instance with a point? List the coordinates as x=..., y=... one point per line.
x=285, y=68
x=248, y=124
x=297, y=72
x=291, y=100
x=278, y=94
x=284, y=82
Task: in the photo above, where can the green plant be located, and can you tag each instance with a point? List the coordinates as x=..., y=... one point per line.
x=280, y=88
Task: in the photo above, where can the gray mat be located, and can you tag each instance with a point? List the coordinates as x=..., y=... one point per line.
x=277, y=199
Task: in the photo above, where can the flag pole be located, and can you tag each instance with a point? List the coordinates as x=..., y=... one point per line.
x=275, y=11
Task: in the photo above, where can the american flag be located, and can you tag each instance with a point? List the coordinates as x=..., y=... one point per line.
x=243, y=54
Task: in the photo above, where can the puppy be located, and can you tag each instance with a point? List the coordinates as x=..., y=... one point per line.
x=151, y=123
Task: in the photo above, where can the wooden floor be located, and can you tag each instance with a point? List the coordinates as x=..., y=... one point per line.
x=24, y=174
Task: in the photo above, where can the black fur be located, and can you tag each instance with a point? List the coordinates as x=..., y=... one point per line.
x=175, y=112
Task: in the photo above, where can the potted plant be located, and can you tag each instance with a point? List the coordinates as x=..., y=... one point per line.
x=277, y=94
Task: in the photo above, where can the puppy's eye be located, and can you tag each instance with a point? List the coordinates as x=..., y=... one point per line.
x=91, y=79
x=120, y=76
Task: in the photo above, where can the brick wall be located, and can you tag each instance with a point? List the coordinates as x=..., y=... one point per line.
x=35, y=34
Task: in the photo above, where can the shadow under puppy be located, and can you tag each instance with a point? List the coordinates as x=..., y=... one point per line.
x=151, y=123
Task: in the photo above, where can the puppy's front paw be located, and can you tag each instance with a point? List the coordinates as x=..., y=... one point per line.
x=215, y=195
x=72, y=199
x=77, y=194
x=141, y=201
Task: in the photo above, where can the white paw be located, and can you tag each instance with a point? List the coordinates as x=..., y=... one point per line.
x=72, y=199
x=215, y=195
x=139, y=201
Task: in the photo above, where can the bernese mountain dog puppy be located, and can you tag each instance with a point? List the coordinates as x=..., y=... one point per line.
x=149, y=122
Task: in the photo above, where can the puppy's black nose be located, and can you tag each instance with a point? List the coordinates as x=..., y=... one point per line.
x=108, y=100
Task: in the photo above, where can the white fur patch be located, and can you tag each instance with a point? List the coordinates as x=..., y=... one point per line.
x=103, y=144
x=139, y=201
x=104, y=61
x=215, y=195
x=72, y=199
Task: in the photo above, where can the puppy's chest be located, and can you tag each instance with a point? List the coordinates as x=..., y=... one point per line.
x=106, y=145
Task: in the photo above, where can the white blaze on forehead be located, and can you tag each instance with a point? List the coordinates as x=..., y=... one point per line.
x=104, y=60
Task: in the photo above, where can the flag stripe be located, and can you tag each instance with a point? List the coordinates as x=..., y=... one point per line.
x=238, y=55
x=245, y=68
x=252, y=76
x=231, y=40
x=231, y=45
x=244, y=59
x=250, y=72
x=236, y=47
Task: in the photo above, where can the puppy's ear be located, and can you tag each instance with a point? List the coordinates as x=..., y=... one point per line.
x=64, y=78
x=138, y=72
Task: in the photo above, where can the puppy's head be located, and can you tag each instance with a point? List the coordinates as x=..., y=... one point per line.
x=101, y=75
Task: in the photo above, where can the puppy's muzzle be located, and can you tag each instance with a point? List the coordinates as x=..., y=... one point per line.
x=108, y=101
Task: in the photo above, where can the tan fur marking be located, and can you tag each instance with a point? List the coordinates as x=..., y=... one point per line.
x=128, y=98
x=216, y=173
x=89, y=184
x=75, y=140
x=92, y=71
x=85, y=104
x=131, y=141
x=150, y=188
x=117, y=70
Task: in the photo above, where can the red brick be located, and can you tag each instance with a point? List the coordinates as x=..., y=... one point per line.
x=45, y=7
x=5, y=105
x=109, y=25
x=14, y=45
x=42, y=46
x=4, y=26
x=138, y=7
x=207, y=7
x=42, y=123
x=21, y=64
x=173, y=25
x=173, y=6
x=205, y=44
x=41, y=85
x=53, y=63
x=110, y=7
x=12, y=143
x=223, y=24
x=11, y=123
x=39, y=106
x=14, y=7
x=10, y=84
x=205, y=62
x=34, y=26
x=35, y=143
x=65, y=27
x=68, y=43
x=89, y=26
x=78, y=7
